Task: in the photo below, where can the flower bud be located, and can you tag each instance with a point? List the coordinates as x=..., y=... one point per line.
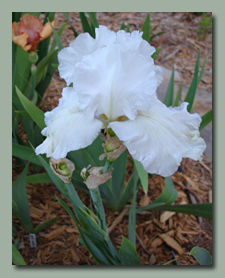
x=84, y=172
x=95, y=177
x=63, y=168
x=113, y=147
x=33, y=57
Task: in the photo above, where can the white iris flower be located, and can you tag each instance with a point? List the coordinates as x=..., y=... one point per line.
x=114, y=85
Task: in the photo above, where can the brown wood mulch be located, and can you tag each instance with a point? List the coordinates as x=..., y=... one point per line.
x=158, y=233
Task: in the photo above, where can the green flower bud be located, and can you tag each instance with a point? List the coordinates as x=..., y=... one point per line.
x=63, y=168
x=113, y=148
x=84, y=172
x=111, y=132
x=33, y=57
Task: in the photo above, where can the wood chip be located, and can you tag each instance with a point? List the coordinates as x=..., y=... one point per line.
x=36, y=213
x=72, y=230
x=166, y=215
x=75, y=255
x=160, y=225
x=143, y=224
x=210, y=196
x=118, y=220
x=158, y=241
x=172, y=243
x=206, y=167
x=56, y=233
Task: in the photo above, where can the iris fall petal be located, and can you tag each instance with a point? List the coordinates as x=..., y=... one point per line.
x=67, y=128
x=160, y=137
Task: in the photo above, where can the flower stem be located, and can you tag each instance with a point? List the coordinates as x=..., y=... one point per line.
x=107, y=166
x=33, y=74
x=97, y=200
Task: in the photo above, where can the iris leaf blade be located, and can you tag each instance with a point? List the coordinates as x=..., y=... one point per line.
x=193, y=87
x=206, y=119
x=17, y=258
x=35, y=113
x=143, y=175
x=146, y=29
x=19, y=196
x=167, y=197
x=168, y=100
x=201, y=255
x=127, y=253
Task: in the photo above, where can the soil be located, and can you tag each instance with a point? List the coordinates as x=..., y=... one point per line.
x=161, y=236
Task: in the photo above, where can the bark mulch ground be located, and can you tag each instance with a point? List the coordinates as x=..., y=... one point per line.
x=160, y=235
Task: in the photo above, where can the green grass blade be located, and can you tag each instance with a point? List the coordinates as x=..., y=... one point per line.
x=176, y=102
x=192, y=89
x=58, y=41
x=35, y=113
x=206, y=119
x=59, y=33
x=155, y=35
x=128, y=27
x=202, y=70
x=93, y=19
x=168, y=100
x=146, y=29
x=122, y=27
x=156, y=53
x=85, y=24
x=68, y=20
x=17, y=258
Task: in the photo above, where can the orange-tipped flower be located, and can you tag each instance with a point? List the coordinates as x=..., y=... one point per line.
x=30, y=31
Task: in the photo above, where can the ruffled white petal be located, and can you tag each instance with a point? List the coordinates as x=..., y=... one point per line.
x=67, y=128
x=160, y=137
x=83, y=45
x=116, y=82
x=134, y=41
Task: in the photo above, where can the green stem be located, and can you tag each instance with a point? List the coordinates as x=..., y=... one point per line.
x=107, y=166
x=33, y=74
x=132, y=212
x=97, y=200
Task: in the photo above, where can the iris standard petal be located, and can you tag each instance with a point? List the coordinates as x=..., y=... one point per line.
x=120, y=82
x=67, y=129
x=134, y=41
x=83, y=45
x=160, y=137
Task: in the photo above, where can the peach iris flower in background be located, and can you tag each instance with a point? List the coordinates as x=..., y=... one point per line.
x=29, y=32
